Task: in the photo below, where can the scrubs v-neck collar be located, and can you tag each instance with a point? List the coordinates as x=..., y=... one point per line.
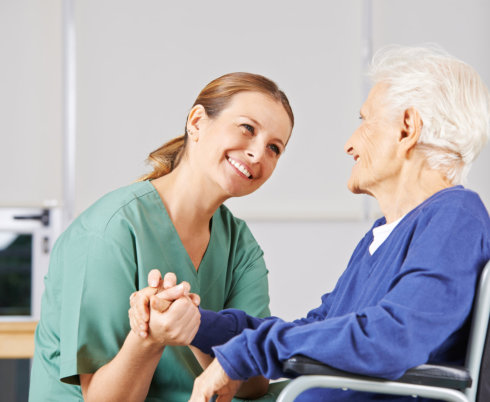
x=170, y=236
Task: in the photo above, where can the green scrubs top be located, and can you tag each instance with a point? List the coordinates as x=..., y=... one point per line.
x=102, y=258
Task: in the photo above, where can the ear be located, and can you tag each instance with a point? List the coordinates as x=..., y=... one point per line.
x=194, y=121
x=411, y=128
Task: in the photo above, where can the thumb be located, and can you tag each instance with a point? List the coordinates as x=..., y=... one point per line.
x=195, y=299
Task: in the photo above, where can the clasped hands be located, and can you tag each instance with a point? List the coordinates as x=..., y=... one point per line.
x=164, y=312
x=168, y=314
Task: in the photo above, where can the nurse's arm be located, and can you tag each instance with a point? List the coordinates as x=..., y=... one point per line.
x=129, y=374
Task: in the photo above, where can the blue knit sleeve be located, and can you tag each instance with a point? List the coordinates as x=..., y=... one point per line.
x=219, y=327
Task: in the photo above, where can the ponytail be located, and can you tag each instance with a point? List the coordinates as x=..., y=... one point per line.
x=166, y=158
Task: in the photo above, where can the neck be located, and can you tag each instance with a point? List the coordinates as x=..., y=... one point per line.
x=412, y=187
x=187, y=199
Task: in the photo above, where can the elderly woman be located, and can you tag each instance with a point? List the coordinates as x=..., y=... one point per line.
x=407, y=292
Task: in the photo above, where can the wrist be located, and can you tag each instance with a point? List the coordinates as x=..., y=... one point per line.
x=148, y=344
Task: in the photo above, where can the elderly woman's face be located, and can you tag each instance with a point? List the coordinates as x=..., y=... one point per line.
x=374, y=147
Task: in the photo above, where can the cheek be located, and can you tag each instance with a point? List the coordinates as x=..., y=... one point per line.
x=369, y=146
x=269, y=168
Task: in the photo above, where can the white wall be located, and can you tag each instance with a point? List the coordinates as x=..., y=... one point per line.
x=461, y=27
x=140, y=65
x=304, y=260
x=30, y=102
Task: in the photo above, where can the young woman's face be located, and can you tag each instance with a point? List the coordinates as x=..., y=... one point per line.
x=239, y=149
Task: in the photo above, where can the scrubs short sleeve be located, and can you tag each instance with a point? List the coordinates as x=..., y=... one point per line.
x=95, y=300
x=250, y=287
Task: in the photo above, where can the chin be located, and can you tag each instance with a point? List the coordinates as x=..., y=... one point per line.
x=356, y=189
x=242, y=192
x=237, y=191
x=353, y=187
x=356, y=186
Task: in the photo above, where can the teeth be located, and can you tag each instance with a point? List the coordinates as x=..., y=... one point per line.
x=240, y=167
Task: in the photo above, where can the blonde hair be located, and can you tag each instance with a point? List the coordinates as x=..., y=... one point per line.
x=214, y=98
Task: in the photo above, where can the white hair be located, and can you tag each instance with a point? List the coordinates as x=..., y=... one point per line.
x=449, y=95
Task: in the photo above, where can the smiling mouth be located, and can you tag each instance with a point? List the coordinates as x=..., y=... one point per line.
x=356, y=158
x=242, y=169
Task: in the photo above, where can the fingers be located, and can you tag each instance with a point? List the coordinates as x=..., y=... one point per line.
x=154, y=278
x=195, y=298
x=138, y=327
x=142, y=301
x=139, y=301
x=201, y=392
x=197, y=396
x=159, y=304
x=212, y=381
x=139, y=313
x=176, y=326
x=175, y=292
x=134, y=323
x=169, y=280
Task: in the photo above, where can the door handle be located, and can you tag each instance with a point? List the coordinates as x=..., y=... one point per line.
x=43, y=217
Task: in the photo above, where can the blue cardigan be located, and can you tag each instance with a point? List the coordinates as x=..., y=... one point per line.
x=407, y=304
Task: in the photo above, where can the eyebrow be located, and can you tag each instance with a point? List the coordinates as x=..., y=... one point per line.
x=280, y=142
x=252, y=119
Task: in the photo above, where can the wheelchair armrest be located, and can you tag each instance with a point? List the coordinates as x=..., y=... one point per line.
x=425, y=374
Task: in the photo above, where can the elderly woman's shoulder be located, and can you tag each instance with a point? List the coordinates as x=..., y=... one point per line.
x=459, y=195
x=458, y=200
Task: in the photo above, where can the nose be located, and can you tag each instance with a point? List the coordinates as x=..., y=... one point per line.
x=348, y=148
x=349, y=145
x=255, y=151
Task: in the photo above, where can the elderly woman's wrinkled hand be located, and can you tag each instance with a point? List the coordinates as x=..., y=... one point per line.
x=214, y=380
x=167, y=290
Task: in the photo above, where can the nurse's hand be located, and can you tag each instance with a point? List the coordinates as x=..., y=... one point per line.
x=177, y=325
x=139, y=313
x=172, y=290
x=214, y=380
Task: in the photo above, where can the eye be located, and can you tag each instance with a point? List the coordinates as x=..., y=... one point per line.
x=249, y=128
x=274, y=148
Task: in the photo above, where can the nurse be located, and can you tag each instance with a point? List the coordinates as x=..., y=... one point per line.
x=172, y=220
